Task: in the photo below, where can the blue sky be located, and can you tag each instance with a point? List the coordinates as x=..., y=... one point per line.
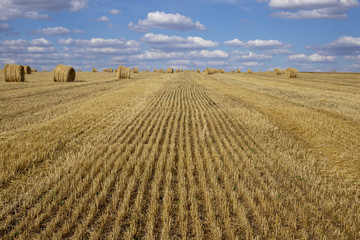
x=322, y=35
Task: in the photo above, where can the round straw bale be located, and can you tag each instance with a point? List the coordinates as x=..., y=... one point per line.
x=198, y=70
x=221, y=70
x=79, y=70
x=124, y=72
x=94, y=70
x=110, y=70
x=147, y=70
x=277, y=71
x=292, y=73
x=27, y=69
x=63, y=73
x=181, y=70
x=14, y=73
x=155, y=70
x=283, y=72
x=238, y=70
x=160, y=71
x=136, y=70
x=170, y=70
x=33, y=70
x=249, y=71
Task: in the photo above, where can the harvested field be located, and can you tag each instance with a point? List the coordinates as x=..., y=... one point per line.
x=188, y=155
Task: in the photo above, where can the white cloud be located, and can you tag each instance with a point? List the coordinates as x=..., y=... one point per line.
x=115, y=11
x=345, y=45
x=249, y=56
x=5, y=27
x=102, y=19
x=165, y=42
x=252, y=64
x=208, y=54
x=313, y=58
x=10, y=9
x=99, y=42
x=312, y=9
x=273, y=47
x=55, y=31
x=166, y=21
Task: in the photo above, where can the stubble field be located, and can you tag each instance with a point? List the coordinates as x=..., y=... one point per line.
x=181, y=156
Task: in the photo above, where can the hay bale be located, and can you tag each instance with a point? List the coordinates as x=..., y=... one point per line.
x=33, y=70
x=249, y=71
x=232, y=71
x=170, y=70
x=221, y=70
x=79, y=70
x=210, y=71
x=136, y=70
x=277, y=71
x=198, y=70
x=124, y=72
x=155, y=70
x=333, y=71
x=14, y=73
x=27, y=69
x=63, y=73
x=94, y=70
x=283, y=72
x=45, y=70
x=110, y=70
x=292, y=73
x=160, y=71
x=147, y=70
x=115, y=70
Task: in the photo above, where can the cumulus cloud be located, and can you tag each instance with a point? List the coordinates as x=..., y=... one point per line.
x=51, y=31
x=102, y=19
x=165, y=42
x=166, y=21
x=345, y=45
x=274, y=47
x=313, y=58
x=5, y=27
x=115, y=11
x=99, y=42
x=312, y=9
x=205, y=54
x=249, y=56
x=10, y=9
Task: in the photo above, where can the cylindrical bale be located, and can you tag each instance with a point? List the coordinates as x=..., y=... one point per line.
x=277, y=71
x=110, y=70
x=155, y=70
x=33, y=70
x=221, y=70
x=209, y=71
x=198, y=70
x=80, y=70
x=124, y=72
x=283, y=72
x=27, y=69
x=238, y=71
x=63, y=73
x=160, y=71
x=94, y=70
x=14, y=73
x=170, y=70
x=249, y=71
x=147, y=70
x=136, y=70
x=292, y=73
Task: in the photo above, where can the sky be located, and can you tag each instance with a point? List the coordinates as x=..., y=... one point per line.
x=310, y=35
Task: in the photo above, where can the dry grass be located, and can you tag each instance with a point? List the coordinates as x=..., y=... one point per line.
x=190, y=156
